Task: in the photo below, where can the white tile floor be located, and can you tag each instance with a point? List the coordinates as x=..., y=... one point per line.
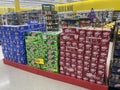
x=16, y=79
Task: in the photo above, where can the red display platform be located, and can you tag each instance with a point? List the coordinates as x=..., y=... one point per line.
x=63, y=78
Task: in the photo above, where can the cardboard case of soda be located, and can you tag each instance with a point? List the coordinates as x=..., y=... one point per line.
x=43, y=46
x=13, y=45
x=83, y=53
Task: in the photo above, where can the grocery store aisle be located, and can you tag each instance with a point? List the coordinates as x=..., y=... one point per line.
x=16, y=79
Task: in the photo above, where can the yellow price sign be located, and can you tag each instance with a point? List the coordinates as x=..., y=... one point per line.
x=118, y=31
x=39, y=61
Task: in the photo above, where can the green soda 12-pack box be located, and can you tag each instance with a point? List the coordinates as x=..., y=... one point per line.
x=51, y=41
x=43, y=50
x=34, y=49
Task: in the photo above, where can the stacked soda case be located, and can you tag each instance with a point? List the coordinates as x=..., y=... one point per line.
x=13, y=45
x=43, y=50
x=34, y=43
x=13, y=41
x=83, y=53
x=114, y=80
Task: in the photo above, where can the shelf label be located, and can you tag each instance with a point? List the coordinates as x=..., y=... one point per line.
x=39, y=61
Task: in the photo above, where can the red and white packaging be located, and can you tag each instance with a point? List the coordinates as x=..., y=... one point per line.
x=81, y=46
x=79, y=62
x=70, y=30
x=96, y=40
x=94, y=65
x=73, y=75
x=80, y=52
x=71, y=49
x=67, y=64
x=69, y=37
x=62, y=48
x=102, y=61
x=62, y=70
x=101, y=67
x=95, y=54
x=68, y=54
x=67, y=60
x=62, y=43
x=97, y=33
x=80, y=57
x=86, y=69
x=85, y=78
x=67, y=73
x=62, y=53
x=88, y=53
x=79, y=76
x=82, y=32
x=94, y=60
x=75, y=44
x=73, y=64
x=106, y=34
x=93, y=71
x=89, y=33
x=103, y=55
x=68, y=43
x=92, y=80
x=74, y=55
x=104, y=49
x=88, y=47
x=82, y=39
x=62, y=58
x=62, y=63
x=87, y=58
x=105, y=42
x=89, y=40
x=79, y=68
x=96, y=48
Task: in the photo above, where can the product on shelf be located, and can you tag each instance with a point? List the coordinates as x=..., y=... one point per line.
x=43, y=50
x=83, y=53
x=51, y=18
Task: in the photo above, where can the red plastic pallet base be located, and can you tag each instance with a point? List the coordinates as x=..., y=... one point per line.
x=63, y=78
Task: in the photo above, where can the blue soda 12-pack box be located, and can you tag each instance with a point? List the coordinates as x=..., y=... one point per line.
x=13, y=41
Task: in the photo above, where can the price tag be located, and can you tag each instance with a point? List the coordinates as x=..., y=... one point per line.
x=39, y=61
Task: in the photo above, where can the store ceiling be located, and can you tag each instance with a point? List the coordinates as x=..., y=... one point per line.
x=32, y=3
x=28, y=3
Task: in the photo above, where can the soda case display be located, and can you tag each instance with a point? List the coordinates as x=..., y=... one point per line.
x=43, y=50
x=51, y=40
x=114, y=80
x=83, y=53
x=13, y=45
x=33, y=41
x=13, y=41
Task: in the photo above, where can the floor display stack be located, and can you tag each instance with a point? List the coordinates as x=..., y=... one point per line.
x=83, y=53
x=43, y=50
